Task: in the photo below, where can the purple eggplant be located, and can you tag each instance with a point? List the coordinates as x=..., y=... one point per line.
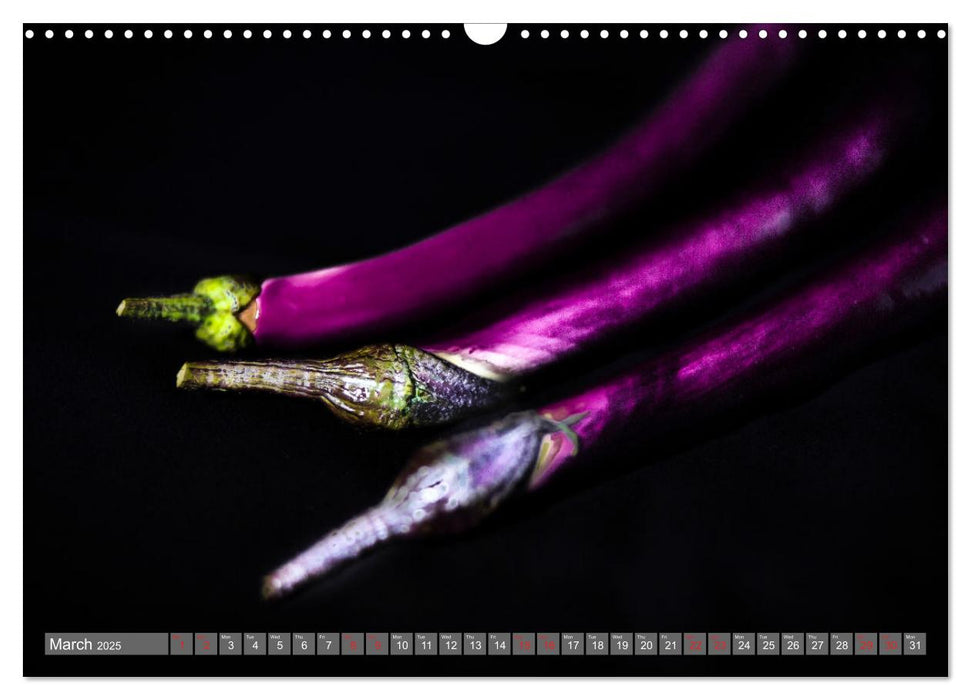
x=452, y=484
x=398, y=386
x=403, y=286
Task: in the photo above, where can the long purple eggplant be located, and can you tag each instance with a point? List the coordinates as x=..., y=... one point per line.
x=401, y=386
x=452, y=484
x=424, y=278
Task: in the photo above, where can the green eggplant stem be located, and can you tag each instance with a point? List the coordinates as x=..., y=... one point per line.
x=214, y=307
x=187, y=308
x=386, y=386
x=284, y=378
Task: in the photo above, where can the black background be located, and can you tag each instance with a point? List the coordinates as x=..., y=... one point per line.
x=152, y=163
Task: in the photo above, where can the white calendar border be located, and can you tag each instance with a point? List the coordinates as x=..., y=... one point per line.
x=11, y=292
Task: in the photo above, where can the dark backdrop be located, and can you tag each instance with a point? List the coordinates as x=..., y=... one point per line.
x=150, y=164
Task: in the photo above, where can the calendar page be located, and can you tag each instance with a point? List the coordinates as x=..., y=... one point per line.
x=426, y=338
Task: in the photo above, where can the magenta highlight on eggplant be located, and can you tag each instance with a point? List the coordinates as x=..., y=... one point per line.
x=454, y=483
x=448, y=378
x=402, y=287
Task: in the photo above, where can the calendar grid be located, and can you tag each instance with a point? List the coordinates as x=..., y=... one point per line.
x=488, y=644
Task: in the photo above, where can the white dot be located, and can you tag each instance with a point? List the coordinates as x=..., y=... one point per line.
x=882, y=34
x=861, y=33
x=346, y=34
x=287, y=34
x=802, y=34
x=564, y=34
x=405, y=34
x=227, y=34
x=822, y=33
x=366, y=33
x=584, y=34
x=128, y=34
x=326, y=34
x=386, y=34
x=446, y=34
x=703, y=33
x=168, y=33
x=49, y=34
x=267, y=33
x=921, y=34
x=901, y=34
x=148, y=33
x=604, y=33
x=663, y=34
x=842, y=34
x=763, y=34
x=545, y=33
x=109, y=33
x=941, y=34
x=88, y=34
x=524, y=34
x=684, y=33
x=29, y=34
x=783, y=33
x=425, y=33
x=187, y=34
x=743, y=33
x=69, y=34
x=723, y=33
x=624, y=34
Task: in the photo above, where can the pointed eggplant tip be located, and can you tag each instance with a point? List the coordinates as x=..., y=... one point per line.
x=271, y=589
x=182, y=376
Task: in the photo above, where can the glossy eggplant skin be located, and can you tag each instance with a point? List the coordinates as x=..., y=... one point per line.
x=804, y=336
x=398, y=288
x=453, y=483
x=401, y=386
x=683, y=266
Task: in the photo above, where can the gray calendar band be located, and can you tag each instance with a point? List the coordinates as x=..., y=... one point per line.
x=762, y=644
